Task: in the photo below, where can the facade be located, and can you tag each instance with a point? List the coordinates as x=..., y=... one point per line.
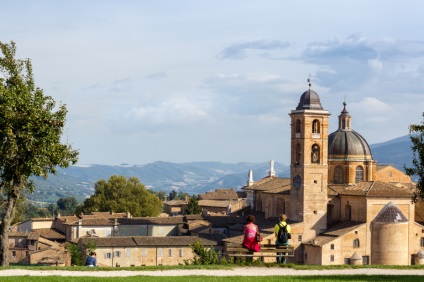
x=345, y=209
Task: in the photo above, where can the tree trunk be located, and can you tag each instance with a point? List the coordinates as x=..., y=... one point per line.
x=4, y=229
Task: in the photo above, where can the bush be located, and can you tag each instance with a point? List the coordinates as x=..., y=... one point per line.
x=76, y=255
x=206, y=255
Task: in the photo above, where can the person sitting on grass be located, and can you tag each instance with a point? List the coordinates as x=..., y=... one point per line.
x=91, y=260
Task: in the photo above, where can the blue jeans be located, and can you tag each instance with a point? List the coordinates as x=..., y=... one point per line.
x=280, y=258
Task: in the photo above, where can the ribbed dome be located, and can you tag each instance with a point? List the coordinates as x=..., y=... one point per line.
x=390, y=213
x=309, y=101
x=347, y=142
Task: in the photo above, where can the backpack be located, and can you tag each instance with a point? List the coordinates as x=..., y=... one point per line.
x=283, y=235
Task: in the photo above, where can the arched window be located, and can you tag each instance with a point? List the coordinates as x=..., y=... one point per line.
x=348, y=210
x=315, y=154
x=359, y=174
x=338, y=175
x=298, y=154
x=330, y=212
x=297, y=129
x=316, y=126
x=422, y=242
x=356, y=243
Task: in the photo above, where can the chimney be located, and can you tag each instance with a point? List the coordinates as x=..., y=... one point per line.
x=128, y=214
x=250, y=181
x=187, y=199
x=271, y=169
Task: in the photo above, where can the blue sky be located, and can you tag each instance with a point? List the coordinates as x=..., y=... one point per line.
x=185, y=81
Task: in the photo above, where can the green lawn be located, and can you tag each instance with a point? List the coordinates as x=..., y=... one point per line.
x=384, y=278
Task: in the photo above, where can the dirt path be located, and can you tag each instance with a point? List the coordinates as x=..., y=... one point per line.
x=233, y=272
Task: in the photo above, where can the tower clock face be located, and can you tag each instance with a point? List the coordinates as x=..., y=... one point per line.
x=297, y=181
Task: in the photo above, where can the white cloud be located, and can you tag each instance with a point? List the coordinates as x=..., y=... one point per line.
x=240, y=50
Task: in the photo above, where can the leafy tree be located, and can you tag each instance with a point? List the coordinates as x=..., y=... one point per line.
x=205, y=255
x=76, y=254
x=193, y=206
x=172, y=195
x=121, y=195
x=416, y=134
x=67, y=205
x=182, y=195
x=31, y=127
x=160, y=194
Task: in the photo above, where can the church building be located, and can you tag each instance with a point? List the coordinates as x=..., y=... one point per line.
x=343, y=208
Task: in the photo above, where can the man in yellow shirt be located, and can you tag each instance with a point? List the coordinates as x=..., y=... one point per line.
x=282, y=237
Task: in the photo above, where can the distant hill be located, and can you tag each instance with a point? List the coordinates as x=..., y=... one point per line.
x=396, y=152
x=192, y=178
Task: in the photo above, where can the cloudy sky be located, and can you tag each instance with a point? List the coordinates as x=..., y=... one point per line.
x=191, y=80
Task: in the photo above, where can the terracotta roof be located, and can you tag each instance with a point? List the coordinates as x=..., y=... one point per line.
x=334, y=232
x=70, y=218
x=42, y=219
x=372, y=189
x=51, y=234
x=216, y=203
x=172, y=220
x=147, y=241
x=105, y=214
x=175, y=203
x=93, y=222
x=219, y=194
x=270, y=184
x=29, y=235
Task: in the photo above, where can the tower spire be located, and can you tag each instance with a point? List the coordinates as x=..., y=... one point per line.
x=309, y=81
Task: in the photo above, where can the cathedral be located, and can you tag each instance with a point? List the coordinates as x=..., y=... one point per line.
x=342, y=206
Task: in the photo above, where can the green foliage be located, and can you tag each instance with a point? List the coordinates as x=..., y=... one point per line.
x=193, y=206
x=160, y=194
x=90, y=247
x=416, y=134
x=67, y=206
x=205, y=255
x=31, y=127
x=182, y=195
x=76, y=254
x=121, y=195
x=172, y=195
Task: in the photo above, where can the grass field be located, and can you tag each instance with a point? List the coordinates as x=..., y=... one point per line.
x=350, y=278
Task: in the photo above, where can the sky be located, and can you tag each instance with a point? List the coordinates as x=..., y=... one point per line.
x=184, y=81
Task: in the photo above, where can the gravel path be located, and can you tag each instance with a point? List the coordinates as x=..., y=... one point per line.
x=232, y=272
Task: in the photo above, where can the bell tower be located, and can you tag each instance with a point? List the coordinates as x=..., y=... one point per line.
x=309, y=167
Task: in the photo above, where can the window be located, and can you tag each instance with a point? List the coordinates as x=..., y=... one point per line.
x=299, y=238
x=122, y=231
x=160, y=231
x=128, y=253
x=108, y=255
x=13, y=253
x=181, y=252
x=356, y=243
x=422, y=242
x=332, y=258
x=359, y=174
x=170, y=253
x=338, y=175
x=159, y=252
x=316, y=126
x=315, y=154
x=365, y=260
x=144, y=252
x=143, y=231
x=297, y=129
x=298, y=154
x=117, y=254
x=348, y=212
x=332, y=246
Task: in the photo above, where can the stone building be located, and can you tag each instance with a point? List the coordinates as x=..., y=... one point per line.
x=341, y=205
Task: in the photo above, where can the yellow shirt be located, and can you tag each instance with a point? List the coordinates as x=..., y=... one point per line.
x=277, y=228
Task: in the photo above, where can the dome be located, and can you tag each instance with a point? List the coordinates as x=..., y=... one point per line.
x=347, y=142
x=390, y=213
x=309, y=101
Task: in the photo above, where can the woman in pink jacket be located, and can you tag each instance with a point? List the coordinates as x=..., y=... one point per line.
x=250, y=230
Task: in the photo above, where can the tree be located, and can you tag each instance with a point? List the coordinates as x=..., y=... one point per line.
x=67, y=205
x=416, y=134
x=121, y=195
x=31, y=127
x=193, y=206
x=172, y=195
